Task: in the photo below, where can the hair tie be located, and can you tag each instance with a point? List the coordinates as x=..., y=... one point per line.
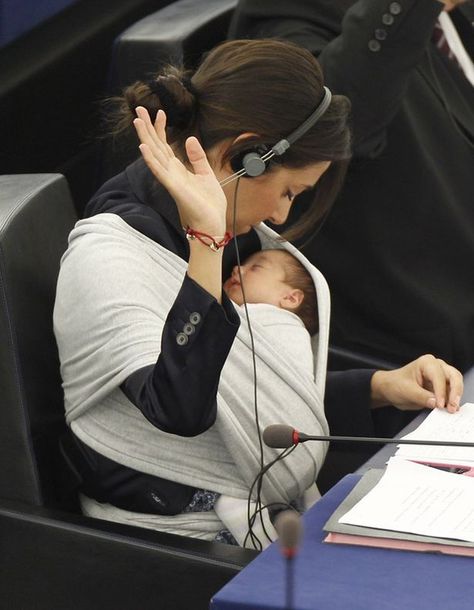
x=176, y=115
x=187, y=84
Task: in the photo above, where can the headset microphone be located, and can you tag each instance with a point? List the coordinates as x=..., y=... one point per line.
x=254, y=162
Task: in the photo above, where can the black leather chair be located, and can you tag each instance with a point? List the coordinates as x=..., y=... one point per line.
x=52, y=558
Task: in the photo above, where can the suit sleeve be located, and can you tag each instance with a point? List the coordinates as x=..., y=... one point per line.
x=347, y=403
x=178, y=393
x=369, y=58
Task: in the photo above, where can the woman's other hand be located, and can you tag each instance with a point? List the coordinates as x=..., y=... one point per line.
x=200, y=199
x=426, y=382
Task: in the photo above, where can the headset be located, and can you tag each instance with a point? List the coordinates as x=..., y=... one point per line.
x=252, y=163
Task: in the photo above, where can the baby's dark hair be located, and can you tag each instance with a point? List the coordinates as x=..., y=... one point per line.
x=297, y=276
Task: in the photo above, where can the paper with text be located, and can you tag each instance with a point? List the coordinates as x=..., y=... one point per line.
x=415, y=498
x=443, y=426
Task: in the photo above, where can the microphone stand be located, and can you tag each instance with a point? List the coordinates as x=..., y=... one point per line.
x=381, y=440
x=289, y=583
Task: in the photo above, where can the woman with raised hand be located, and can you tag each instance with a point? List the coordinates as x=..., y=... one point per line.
x=153, y=352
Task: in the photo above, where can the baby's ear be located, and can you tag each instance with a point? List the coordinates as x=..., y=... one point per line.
x=292, y=299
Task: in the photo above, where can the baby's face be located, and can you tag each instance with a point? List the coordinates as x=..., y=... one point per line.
x=263, y=276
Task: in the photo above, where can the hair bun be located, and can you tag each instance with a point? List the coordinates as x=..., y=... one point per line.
x=177, y=97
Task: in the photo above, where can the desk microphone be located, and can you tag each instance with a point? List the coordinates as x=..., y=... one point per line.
x=280, y=436
x=288, y=526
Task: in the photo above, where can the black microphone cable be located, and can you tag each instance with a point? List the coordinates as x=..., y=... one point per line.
x=259, y=508
x=254, y=365
x=258, y=481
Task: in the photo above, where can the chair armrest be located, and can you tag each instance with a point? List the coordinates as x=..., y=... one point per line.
x=341, y=359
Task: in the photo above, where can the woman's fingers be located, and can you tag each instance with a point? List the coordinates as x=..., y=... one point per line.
x=455, y=386
x=160, y=130
x=157, y=163
x=154, y=138
x=424, y=382
x=433, y=374
x=444, y=380
x=197, y=157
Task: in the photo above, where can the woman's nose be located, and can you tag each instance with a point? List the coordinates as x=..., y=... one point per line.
x=280, y=214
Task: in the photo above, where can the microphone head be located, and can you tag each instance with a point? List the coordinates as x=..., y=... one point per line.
x=288, y=526
x=278, y=436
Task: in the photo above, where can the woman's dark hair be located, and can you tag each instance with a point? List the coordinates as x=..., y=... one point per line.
x=267, y=87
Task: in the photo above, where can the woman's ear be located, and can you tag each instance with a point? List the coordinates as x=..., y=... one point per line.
x=231, y=146
x=292, y=299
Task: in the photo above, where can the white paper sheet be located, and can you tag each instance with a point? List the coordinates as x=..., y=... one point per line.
x=418, y=499
x=443, y=426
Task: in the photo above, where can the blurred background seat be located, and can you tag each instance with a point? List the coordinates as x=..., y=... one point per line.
x=53, y=67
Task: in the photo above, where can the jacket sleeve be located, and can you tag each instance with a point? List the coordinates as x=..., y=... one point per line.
x=178, y=393
x=368, y=58
x=347, y=402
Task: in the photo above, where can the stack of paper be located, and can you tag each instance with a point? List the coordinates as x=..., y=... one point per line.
x=443, y=426
x=413, y=506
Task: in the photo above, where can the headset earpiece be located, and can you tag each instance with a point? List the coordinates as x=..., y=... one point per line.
x=251, y=161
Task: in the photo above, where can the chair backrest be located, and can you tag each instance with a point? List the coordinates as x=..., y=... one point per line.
x=179, y=33
x=36, y=215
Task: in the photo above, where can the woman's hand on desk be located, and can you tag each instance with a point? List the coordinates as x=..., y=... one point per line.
x=425, y=382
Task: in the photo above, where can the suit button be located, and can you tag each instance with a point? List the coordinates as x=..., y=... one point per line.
x=380, y=34
x=188, y=329
x=387, y=19
x=181, y=339
x=195, y=318
x=395, y=8
x=374, y=46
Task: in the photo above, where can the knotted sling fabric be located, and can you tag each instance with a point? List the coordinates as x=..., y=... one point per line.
x=115, y=289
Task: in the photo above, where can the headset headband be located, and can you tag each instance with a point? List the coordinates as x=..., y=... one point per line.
x=283, y=145
x=254, y=164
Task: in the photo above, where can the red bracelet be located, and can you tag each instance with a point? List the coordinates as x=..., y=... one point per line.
x=214, y=243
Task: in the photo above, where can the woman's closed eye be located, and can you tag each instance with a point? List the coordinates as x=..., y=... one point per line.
x=290, y=195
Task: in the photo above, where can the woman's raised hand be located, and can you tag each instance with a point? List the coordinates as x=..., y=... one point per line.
x=200, y=199
x=425, y=382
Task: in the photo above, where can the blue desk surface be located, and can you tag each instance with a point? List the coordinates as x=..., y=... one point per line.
x=333, y=577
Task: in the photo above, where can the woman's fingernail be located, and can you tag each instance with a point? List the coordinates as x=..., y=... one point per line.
x=431, y=404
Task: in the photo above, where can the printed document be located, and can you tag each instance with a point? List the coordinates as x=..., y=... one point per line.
x=443, y=426
x=414, y=498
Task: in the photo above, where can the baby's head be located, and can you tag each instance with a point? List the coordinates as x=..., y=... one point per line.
x=276, y=277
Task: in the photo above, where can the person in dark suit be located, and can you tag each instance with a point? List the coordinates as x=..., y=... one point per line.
x=397, y=248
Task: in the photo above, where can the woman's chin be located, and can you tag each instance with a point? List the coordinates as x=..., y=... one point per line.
x=241, y=229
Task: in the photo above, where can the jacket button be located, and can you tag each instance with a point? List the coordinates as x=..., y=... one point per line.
x=195, y=318
x=380, y=34
x=395, y=8
x=181, y=339
x=374, y=46
x=388, y=19
x=188, y=329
